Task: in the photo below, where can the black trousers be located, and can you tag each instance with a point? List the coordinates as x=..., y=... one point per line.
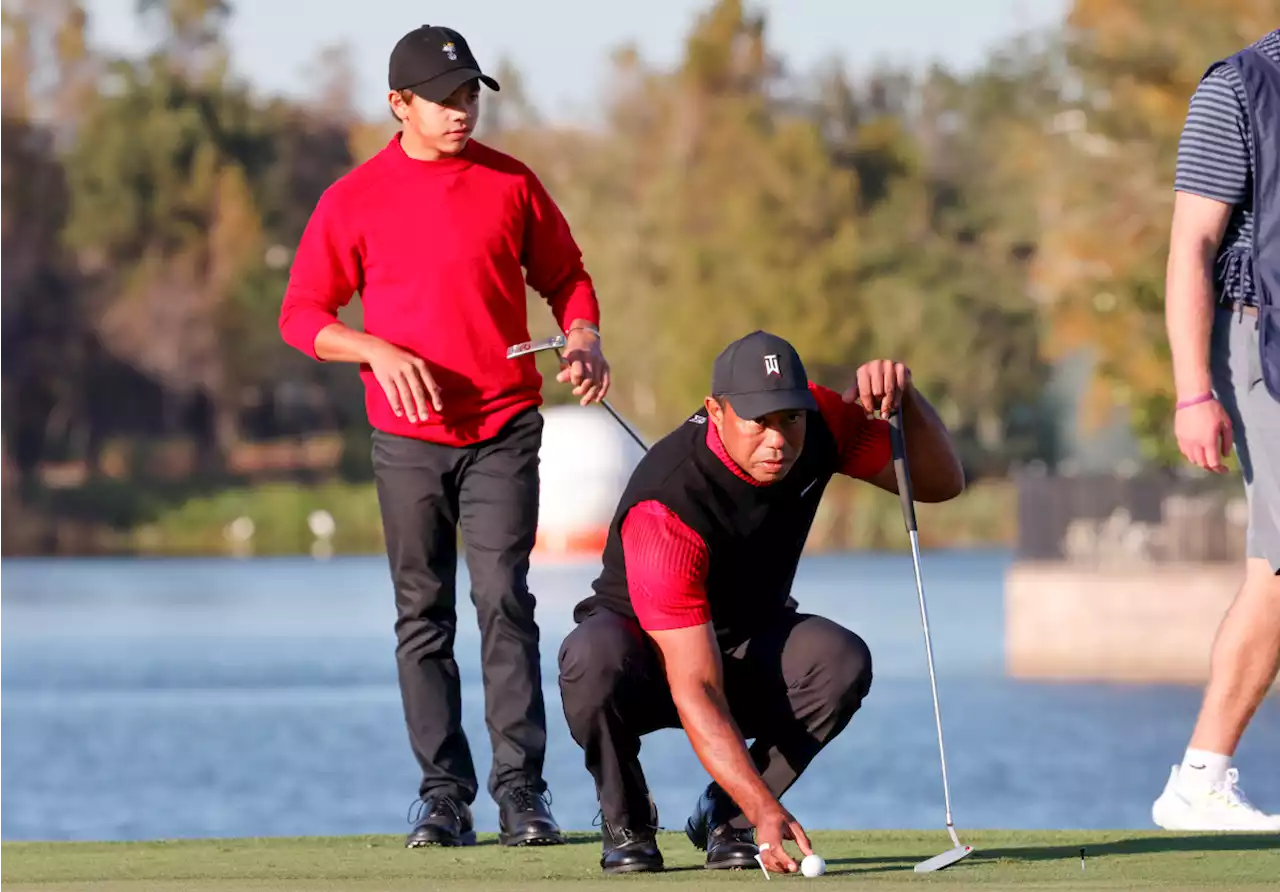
x=792, y=688
x=427, y=492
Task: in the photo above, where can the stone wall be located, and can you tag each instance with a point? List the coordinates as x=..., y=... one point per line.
x=1131, y=623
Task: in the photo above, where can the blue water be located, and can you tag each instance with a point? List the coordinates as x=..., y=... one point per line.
x=188, y=698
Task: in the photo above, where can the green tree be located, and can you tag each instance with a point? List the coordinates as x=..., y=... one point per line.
x=1105, y=179
x=723, y=196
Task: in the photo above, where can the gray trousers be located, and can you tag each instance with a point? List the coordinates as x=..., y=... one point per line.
x=1255, y=418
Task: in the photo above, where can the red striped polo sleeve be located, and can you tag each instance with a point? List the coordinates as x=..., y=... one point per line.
x=666, y=568
x=863, y=442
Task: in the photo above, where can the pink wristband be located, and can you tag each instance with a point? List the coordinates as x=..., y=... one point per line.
x=1194, y=401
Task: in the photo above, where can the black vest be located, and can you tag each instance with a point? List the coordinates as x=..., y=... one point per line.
x=755, y=534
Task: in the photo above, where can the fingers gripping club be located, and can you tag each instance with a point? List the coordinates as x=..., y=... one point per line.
x=556, y=343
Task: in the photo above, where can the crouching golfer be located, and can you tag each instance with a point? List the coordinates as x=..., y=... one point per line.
x=692, y=624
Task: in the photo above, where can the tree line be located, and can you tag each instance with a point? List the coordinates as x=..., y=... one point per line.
x=982, y=226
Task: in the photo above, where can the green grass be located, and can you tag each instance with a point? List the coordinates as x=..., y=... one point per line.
x=862, y=860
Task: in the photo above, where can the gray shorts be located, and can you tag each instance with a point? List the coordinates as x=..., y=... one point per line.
x=1255, y=417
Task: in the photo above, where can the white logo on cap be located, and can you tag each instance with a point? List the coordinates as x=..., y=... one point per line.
x=451, y=51
x=771, y=365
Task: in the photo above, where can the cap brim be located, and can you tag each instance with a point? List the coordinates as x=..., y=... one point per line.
x=440, y=88
x=766, y=402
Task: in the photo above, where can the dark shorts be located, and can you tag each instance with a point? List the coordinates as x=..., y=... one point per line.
x=1255, y=417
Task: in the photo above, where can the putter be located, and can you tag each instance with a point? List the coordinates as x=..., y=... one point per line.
x=951, y=856
x=556, y=342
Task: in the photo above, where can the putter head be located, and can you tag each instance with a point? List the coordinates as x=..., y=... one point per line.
x=555, y=342
x=946, y=859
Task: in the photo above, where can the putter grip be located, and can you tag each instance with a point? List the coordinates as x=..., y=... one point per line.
x=899, y=449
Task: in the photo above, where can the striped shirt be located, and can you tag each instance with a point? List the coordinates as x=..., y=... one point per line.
x=1215, y=156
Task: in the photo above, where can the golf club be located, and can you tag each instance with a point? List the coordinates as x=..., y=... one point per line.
x=951, y=856
x=556, y=342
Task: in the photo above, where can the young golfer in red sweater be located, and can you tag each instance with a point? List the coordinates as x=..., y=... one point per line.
x=439, y=235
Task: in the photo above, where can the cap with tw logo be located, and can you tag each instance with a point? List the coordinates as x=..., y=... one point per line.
x=433, y=61
x=761, y=373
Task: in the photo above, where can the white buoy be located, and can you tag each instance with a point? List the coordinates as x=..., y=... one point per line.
x=322, y=526
x=586, y=461
x=239, y=536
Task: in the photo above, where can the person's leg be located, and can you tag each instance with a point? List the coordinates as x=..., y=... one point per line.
x=417, y=495
x=793, y=689
x=498, y=509
x=613, y=691
x=1202, y=793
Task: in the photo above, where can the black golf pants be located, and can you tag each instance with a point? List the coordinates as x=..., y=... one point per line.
x=792, y=688
x=427, y=492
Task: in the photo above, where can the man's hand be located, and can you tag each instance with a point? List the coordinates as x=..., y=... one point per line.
x=405, y=379
x=880, y=385
x=584, y=366
x=774, y=824
x=1204, y=435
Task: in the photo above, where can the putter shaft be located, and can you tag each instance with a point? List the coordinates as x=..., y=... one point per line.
x=960, y=850
x=933, y=679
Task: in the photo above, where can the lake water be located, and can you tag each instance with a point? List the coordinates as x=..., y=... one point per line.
x=191, y=698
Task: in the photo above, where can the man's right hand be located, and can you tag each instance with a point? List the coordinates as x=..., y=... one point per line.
x=406, y=381
x=774, y=824
x=1204, y=435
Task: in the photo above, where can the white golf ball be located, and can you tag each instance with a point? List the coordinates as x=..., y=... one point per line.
x=813, y=866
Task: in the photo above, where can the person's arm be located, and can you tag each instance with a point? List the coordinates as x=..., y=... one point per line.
x=326, y=273
x=1211, y=176
x=553, y=262
x=666, y=574
x=1196, y=230
x=554, y=269
x=937, y=474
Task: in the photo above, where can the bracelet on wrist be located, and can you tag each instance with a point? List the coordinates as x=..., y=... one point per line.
x=1194, y=401
x=586, y=326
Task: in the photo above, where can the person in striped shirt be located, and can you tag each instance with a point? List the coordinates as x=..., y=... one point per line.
x=1213, y=299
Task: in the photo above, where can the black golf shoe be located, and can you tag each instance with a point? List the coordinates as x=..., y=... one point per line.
x=441, y=821
x=631, y=849
x=708, y=828
x=524, y=819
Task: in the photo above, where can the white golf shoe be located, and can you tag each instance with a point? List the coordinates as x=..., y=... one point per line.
x=1221, y=807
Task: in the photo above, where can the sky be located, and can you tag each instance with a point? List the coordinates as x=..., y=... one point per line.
x=561, y=47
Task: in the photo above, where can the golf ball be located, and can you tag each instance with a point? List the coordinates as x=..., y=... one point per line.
x=813, y=866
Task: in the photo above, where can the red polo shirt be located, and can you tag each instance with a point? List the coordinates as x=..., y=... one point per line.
x=440, y=252
x=667, y=561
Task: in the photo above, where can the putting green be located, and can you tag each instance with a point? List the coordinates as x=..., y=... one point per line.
x=862, y=860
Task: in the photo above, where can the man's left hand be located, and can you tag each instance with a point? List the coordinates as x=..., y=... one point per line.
x=881, y=385
x=584, y=366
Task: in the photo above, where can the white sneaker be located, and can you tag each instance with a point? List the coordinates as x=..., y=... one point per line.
x=1221, y=807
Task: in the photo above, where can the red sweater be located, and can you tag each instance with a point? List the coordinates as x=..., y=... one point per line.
x=435, y=250
x=667, y=561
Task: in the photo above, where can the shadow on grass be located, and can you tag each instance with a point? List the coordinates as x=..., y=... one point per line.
x=1235, y=842
x=853, y=866
x=1239, y=842
x=570, y=840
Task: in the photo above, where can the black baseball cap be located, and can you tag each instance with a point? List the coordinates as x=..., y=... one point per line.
x=761, y=373
x=433, y=61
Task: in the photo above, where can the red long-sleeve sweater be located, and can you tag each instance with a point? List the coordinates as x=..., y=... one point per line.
x=667, y=561
x=440, y=252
